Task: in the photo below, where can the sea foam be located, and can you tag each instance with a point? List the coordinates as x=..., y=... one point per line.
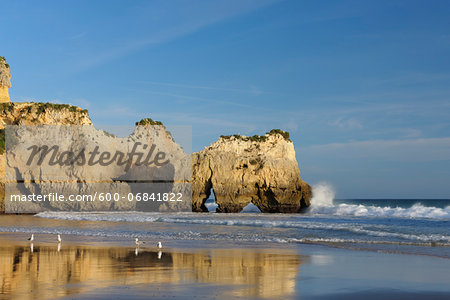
x=322, y=202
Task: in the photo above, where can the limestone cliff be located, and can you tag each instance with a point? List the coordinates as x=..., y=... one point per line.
x=31, y=114
x=240, y=170
x=261, y=170
x=5, y=80
x=99, y=175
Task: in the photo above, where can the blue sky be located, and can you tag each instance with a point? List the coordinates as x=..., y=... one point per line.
x=362, y=86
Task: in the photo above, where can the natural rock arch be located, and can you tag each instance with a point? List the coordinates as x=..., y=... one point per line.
x=261, y=170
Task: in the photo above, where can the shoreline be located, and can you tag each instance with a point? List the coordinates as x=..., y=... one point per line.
x=206, y=230
x=186, y=270
x=20, y=239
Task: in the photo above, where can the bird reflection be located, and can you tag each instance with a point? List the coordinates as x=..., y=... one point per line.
x=59, y=247
x=159, y=254
x=31, y=247
x=136, y=251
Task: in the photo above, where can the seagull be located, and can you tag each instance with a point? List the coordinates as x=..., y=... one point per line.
x=59, y=239
x=31, y=239
x=159, y=245
x=138, y=242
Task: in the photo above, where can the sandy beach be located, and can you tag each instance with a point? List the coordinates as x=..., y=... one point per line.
x=104, y=267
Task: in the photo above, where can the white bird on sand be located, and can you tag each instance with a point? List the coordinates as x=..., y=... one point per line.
x=31, y=238
x=159, y=245
x=59, y=238
x=138, y=242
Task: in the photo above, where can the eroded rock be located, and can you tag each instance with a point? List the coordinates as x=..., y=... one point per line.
x=240, y=170
x=5, y=80
x=261, y=170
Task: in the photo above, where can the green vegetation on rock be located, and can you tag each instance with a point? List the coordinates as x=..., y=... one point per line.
x=6, y=107
x=42, y=107
x=258, y=138
x=283, y=133
x=3, y=60
x=148, y=121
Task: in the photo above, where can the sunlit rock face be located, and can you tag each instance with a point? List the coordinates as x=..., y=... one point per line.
x=87, y=179
x=29, y=113
x=33, y=114
x=5, y=80
x=261, y=170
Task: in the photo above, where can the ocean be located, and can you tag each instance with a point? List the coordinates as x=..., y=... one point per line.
x=337, y=249
x=409, y=226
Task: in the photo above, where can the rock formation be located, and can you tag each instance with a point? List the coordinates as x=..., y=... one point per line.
x=240, y=170
x=33, y=114
x=83, y=178
x=29, y=113
x=5, y=80
x=261, y=170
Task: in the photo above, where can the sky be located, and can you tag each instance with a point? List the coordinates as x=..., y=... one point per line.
x=363, y=87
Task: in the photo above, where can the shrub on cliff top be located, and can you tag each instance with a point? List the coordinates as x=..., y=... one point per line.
x=255, y=138
x=258, y=138
x=283, y=133
x=148, y=121
x=6, y=107
x=42, y=107
x=3, y=60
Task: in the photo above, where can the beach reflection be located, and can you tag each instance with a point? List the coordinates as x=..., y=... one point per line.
x=38, y=272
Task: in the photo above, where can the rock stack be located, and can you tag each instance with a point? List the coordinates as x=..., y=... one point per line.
x=5, y=80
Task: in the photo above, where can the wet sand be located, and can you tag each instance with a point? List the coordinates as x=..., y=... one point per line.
x=90, y=267
x=33, y=271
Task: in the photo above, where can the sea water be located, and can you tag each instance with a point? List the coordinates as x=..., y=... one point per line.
x=407, y=226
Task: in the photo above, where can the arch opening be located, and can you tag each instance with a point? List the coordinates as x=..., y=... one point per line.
x=251, y=208
x=211, y=203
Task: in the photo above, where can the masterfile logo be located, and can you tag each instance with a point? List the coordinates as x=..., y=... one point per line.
x=80, y=168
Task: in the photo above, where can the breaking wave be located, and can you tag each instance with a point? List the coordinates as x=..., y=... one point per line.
x=416, y=211
x=322, y=203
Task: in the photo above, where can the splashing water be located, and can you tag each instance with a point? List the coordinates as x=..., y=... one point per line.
x=323, y=195
x=322, y=203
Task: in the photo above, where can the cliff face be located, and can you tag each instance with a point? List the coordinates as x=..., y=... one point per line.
x=35, y=113
x=261, y=170
x=29, y=113
x=240, y=170
x=106, y=175
x=5, y=80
